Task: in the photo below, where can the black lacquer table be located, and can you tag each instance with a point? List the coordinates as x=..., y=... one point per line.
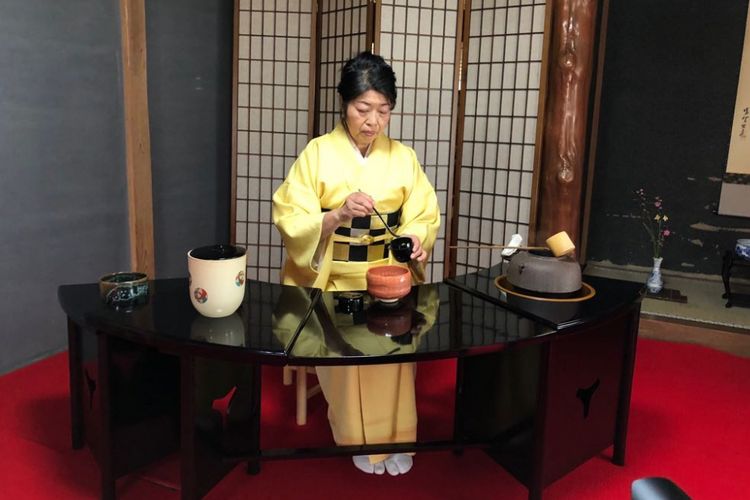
x=541, y=387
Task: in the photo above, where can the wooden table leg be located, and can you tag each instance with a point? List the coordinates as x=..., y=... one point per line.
x=626, y=385
x=75, y=372
x=536, y=483
x=253, y=465
x=188, y=482
x=104, y=415
x=726, y=271
x=456, y=319
x=458, y=405
x=535, y=492
x=203, y=461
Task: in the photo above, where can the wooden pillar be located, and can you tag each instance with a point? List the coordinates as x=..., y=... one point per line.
x=137, y=137
x=313, y=116
x=374, y=16
x=564, y=138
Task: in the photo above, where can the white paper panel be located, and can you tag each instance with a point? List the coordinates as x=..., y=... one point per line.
x=272, y=113
x=502, y=92
x=419, y=40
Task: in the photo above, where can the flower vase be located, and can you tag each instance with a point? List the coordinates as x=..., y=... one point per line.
x=655, y=283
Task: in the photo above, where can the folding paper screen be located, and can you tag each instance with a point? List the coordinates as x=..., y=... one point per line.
x=419, y=40
x=476, y=143
x=272, y=103
x=503, y=68
x=343, y=34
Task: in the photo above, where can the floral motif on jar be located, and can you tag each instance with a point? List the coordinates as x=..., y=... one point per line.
x=201, y=296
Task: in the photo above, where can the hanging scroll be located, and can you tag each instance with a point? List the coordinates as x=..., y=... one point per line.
x=735, y=188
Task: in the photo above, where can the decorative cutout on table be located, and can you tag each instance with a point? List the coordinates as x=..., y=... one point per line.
x=585, y=396
x=91, y=385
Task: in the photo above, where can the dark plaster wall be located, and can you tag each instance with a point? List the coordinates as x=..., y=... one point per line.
x=669, y=89
x=190, y=107
x=62, y=172
x=63, y=189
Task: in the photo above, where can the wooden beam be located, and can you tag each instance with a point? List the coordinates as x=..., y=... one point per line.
x=540, y=127
x=235, y=91
x=313, y=99
x=463, y=26
x=562, y=174
x=137, y=137
x=374, y=16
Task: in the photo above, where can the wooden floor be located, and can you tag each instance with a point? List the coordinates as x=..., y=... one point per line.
x=704, y=306
x=734, y=342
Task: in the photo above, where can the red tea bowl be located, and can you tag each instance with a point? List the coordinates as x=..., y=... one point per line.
x=389, y=320
x=388, y=283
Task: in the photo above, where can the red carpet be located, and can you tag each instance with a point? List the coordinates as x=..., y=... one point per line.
x=689, y=421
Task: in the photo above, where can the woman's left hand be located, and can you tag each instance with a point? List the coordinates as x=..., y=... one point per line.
x=417, y=252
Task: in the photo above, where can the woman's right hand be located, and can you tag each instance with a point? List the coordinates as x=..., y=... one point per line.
x=357, y=204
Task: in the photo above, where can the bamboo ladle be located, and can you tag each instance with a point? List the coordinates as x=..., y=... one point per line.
x=559, y=244
x=500, y=246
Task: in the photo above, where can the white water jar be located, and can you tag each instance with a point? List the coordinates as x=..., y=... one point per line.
x=216, y=277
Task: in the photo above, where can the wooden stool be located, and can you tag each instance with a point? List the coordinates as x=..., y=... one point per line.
x=303, y=393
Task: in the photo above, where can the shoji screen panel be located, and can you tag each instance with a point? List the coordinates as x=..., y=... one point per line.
x=419, y=40
x=343, y=34
x=272, y=102
x=503, y=70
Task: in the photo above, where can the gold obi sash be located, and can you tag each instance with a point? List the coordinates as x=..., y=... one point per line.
x=364, y=239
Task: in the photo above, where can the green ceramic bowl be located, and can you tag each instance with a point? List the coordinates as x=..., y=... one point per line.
x=124, y=290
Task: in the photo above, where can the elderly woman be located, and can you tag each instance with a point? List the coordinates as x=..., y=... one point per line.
x=324, y=211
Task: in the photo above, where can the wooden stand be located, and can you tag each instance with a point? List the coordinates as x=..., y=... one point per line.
x=729, y=263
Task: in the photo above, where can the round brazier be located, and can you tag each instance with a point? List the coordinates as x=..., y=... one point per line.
x=543, y=273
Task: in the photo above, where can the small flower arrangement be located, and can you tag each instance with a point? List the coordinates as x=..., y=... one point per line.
x=654, y=220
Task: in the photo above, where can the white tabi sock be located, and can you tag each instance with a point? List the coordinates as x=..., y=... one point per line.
x=362, y=462
x=391, y=466
x=403, y=461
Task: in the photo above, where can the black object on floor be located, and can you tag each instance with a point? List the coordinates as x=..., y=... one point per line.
x=656, y=488
x=668, y=294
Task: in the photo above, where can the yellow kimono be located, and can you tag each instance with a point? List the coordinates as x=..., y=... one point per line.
x=367, y=404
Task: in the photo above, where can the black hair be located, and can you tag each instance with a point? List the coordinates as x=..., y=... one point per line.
x=367, y=71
